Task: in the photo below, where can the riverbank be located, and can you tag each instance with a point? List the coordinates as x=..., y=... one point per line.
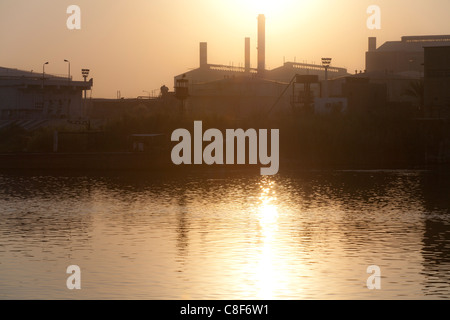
x=393, y=141
x=134, y=161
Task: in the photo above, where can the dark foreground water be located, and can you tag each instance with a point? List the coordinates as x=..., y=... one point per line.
x=300, y=235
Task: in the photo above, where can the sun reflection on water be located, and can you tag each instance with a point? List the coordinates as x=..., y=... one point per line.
x=266, y=270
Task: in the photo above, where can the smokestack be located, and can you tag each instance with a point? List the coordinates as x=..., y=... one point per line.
x=372, y=44
x=261, y=44
x=247, y=55
x=203, y=54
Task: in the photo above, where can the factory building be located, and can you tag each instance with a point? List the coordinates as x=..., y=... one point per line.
x=211, y=85
x=34, y=96
x=237, y=97
x=361, y=94
x=212, y=72
x=405, y=56
x=399, y=65
x=437, y=82
x=289, y=69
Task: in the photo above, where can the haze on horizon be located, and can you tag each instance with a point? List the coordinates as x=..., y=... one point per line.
x=140, y=45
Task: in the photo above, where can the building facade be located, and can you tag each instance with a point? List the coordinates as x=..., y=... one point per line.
x=28, y=95
x=405, y=56
x=437, y=81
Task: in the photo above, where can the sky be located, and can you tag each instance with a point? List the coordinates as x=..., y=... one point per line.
x=137, y=46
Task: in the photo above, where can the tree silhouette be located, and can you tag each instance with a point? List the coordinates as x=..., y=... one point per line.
x=416, y=90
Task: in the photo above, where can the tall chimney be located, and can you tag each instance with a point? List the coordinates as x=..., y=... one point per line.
x=372, y=44
x=247, y=55
x=261, y=44
x=203, y=54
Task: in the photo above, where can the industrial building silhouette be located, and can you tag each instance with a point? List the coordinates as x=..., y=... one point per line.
x=211, y=72
x=242, y=90
x=239, y=91
x=405, y=56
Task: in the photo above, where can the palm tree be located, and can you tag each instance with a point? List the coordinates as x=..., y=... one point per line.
x=416, y=90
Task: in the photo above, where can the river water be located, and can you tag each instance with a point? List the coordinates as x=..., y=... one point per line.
x=226, y=235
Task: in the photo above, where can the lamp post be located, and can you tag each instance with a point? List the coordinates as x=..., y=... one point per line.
x=85, y=74
x=147, y=92
x=43, y=72
x=69, y=68
x=68, y=83
x=326, y=64
x=43, y=90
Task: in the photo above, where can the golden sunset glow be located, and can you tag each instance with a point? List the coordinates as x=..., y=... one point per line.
x=224, y=154
x=270, y=8
x=142, y=45
x=267, y=275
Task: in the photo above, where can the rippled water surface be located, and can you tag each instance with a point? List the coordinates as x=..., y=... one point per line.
x=300, y=235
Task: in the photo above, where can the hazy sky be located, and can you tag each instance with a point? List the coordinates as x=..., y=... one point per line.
x=139, y=45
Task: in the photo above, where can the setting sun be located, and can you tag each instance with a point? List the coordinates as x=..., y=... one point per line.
x=270, y=8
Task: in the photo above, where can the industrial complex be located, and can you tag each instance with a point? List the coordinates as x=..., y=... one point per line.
x=392, y=72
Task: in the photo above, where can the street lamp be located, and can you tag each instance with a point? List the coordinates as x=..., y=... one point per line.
x=43, y=79
x=326, y=64
x=43, y=71
x=69, y=67
x=85, y=74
